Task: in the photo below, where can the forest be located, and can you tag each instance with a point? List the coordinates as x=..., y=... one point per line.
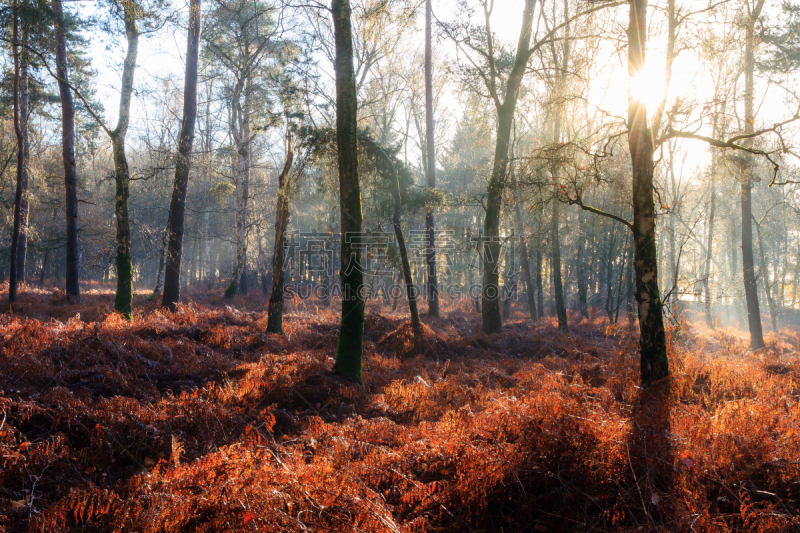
x=399, y=266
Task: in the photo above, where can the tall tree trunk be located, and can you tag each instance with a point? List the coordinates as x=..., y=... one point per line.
x=275, y=306
x=748, y=262
x=349, y=351
x=73, y=289
x=242, y=192
x=773, y=312
x=539, y=290
x=124, y=296
x=672, y=266
x=558, y=288
x=262, y=262
x=709, y=246
x=555, y=241
x=581, y=266
x=652, y=337
x=416, y=326
x=183, y=163
x=523, y=250
x=162, y=264
x=490, y=309
x=45, y=262
x=24, y=206
x=21, y=171
x=430, y=254
x=509, y=277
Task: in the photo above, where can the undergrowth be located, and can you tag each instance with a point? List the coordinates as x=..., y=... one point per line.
x=198, y=421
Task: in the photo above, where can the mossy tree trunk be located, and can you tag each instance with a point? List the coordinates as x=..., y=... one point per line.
x=177, y=208
x=68, y=155
x=350, y=347
x=124, y=296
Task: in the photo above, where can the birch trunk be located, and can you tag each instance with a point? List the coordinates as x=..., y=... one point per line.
x=652, y=336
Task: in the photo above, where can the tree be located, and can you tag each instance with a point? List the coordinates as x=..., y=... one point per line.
x=238, y=41
x=652, y=336
x=504, y=90
x=747, y=169
x=349, y=349
x=177, y=209
x=275, y=306
x=490, y=302
x=430, y=227
x=21, y=188
x=68, y=154
x=129, y=14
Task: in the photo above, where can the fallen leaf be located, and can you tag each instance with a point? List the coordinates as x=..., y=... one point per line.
x=19, y=503
x=92, y=469
x=149, y=462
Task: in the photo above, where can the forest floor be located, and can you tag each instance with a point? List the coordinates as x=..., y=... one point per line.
x=199, y=421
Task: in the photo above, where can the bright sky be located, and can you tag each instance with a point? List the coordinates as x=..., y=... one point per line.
x=161, y=55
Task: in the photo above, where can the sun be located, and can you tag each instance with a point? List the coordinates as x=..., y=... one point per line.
x=648, y=87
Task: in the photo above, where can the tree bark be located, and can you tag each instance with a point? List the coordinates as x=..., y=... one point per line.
x=21, y=171
x=24, y=206
x=773, y=311
x=555, y=249
x=748, y=262
x=652, y=337
x=349, y=351
x=555, y=241
x=68, y=155
x=539, y=290
x=416, y=326
x=709, y=245
x=183, y=163
x=275, y=306
x=242, y=139
x=162, y=264
x=523, y=250
x=430, y=254
x=581, y=266
x=490, y=309
x=124, y=296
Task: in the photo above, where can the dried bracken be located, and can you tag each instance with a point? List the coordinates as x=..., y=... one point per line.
x=198, y=421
